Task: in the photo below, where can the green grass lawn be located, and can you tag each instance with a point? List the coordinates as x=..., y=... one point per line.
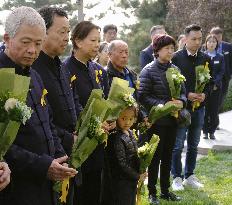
x=215, y=171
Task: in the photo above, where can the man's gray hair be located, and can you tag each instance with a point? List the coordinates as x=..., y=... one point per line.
x=114, y=43
x=23, y=15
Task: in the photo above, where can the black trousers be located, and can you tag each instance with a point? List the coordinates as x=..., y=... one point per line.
x=120, y=192
x=211, y=112
x=90, y=190
x=162, y=158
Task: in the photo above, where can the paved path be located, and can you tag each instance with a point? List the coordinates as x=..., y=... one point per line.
x=223, y=136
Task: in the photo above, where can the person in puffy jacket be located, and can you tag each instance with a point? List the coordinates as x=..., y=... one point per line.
x=154, y=90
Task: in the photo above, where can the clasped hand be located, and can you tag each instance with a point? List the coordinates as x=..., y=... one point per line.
x=59, y=169
x=200, y=97
x=4, y=175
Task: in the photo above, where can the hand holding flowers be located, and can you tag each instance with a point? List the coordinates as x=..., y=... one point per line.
x=202, y=78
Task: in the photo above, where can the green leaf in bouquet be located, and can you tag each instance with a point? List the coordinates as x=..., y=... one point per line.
x=146, y=152
x=175, y=80
x=118, y=88
x=7, y=80
x=97, y=109
x=82, y=153
x=160, y=111
x=16, y=85
x=95, y=94
x=8, y=133
x=202, y=77
x=21, y=87
x=114, y=111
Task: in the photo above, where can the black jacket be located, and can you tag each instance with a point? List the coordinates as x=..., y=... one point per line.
x=34, y=148
x=84, y=84
x=154, y=88
x=146, y=56
x=57, y=81
x=122, y=157
x=187, y=66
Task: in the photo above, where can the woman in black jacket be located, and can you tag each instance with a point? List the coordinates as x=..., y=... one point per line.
x=154, y=90
x=86, y=40
x=213, y=102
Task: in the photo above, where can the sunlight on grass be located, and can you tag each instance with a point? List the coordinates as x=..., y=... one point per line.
x=215, y=171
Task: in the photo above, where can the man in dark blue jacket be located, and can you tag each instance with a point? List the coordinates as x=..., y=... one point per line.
x=225, y=49
x=146, y=55
x=36, y=157
x=186, y=60
x=57, y=80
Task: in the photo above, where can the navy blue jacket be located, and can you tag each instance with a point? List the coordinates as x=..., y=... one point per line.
x=85, y=83
x=35, y=147
x=227, y=52
x=218, y=67
x=57, y=81
x=146, y=56
x=187, y=65
x=154, y=89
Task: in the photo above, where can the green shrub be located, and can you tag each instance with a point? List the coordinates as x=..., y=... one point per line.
x=228, y=101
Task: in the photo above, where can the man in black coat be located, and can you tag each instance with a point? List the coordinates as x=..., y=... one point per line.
x=186, y=60
x=36, y=157
x=58, y=81
x=225, y=49
x=146, y=55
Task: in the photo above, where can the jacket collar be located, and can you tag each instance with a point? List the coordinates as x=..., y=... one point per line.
x=162, y=66
x=18, y=69
x=198, y=54
x=53, y=63
x=114, y=72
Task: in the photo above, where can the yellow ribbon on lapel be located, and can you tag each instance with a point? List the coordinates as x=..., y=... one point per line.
x=73, y=78
x=64, y=190
x=97, y=79
x=42, y=101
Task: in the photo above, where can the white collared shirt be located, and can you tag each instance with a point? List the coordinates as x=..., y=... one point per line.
x=190, y=54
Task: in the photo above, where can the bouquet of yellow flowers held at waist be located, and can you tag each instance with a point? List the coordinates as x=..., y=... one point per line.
x=175, y=81
x=145, y=153
x=13, y=110
x=202, y=78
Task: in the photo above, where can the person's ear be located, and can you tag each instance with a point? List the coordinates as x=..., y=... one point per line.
x=6, y=39
x=78, y=43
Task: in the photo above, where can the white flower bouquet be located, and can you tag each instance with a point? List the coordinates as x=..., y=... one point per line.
x=202, y=78
x=13, y=110
x=146, y=153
